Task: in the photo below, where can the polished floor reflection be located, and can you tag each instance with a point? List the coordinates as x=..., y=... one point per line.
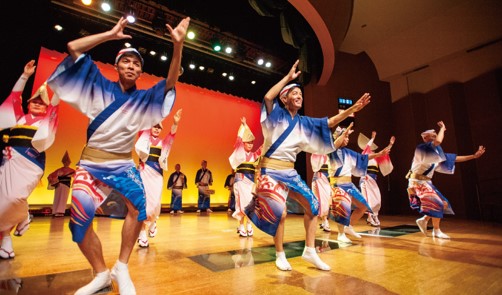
x=201, y=253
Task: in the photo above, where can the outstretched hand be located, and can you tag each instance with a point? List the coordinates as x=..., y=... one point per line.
x=177, y=116
x=442, y=125
x=481, y=150
x=362, y=102
x=118, y=30
x=178, y=34
x=392, y=140
x=293, y=74
x=29, y=68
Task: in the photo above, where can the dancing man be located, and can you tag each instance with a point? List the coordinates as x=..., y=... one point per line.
x=422, y=194
x=286, y=133
x=117, y=112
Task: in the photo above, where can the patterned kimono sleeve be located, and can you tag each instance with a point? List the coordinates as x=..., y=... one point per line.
x=317, y=161
x=384, y=164
x=81, y=84
x=317, y=136
x=428, y=153
x=46, y=133
x=11, y=110
x=142, y=146
x=238, y=155
x=359, y=162
x=167, y=143
x=447, y=166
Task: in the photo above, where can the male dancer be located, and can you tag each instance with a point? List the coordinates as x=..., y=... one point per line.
x=422, y=194
x=286, y=133
x=117, y=112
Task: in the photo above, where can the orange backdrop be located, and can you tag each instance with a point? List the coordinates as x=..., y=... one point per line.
x=207, y=131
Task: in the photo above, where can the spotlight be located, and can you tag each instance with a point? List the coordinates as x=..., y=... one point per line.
x=190, y=35
x=130, y=16
x=228, y=49
x=216, y=44
x=105, y=6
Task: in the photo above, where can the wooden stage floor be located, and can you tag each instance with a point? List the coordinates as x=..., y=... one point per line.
x=202, y=254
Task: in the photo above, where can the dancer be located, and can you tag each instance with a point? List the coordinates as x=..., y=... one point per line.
x=321, y=187
x=153, y=152
x=203, y=179
x=229, y=184
x=23, y=162
x=286, y=133
x=347, y=163
x=367, y=183
x=176, y=183
x=243, y=161
x=117, y=112
x=60, y=181
x=422, y=194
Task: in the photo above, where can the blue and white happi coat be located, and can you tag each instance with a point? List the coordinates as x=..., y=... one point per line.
x=422, y=194
x=311, y=135
x=111, y=129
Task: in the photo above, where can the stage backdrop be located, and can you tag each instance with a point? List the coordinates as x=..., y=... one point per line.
x=207, y=131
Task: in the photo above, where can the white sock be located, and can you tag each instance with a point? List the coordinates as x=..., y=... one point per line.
x=281, y=262
x=310, y=255
x=100, y=281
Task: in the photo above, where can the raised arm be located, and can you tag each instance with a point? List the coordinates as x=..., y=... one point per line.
x=176, y=120
x=274, y=91
x=440, y=136
x=359, y=105
x=29, y=69
x=477, y=154
x=84, y=44
x=343, y=139
x=178, y=38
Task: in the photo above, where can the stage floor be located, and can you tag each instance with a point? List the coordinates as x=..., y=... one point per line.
x=202, y=253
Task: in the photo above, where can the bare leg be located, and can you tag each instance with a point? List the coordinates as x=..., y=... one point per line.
x=310, y=223
x=358, y=213
x=435, y=222
x=279, y=235
x=130, y=232
x=309, y=253
x=92, y=250
x=281, y=262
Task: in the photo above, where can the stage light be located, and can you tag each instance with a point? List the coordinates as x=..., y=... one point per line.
x=268, y=64
x=190, y=35
x=260, y=61
x=228, y=49
x=87, y=2
x=105, y=6
x=216, y=44
x=130, y=16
